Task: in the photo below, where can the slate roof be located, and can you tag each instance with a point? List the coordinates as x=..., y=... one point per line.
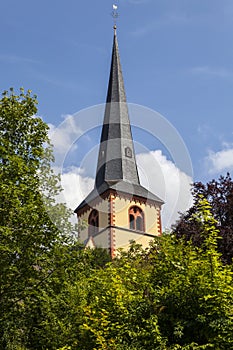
x=116, y=159
x=116, y=167
x=120, y=188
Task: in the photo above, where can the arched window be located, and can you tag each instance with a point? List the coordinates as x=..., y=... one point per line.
x=93, y=223
x=136, y=219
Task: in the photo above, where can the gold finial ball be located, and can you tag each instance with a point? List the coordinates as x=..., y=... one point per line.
x=115, y=27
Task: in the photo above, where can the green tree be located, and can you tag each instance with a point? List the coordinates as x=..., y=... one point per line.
x=56, y=310
x=31, y=224
x=119, y=314
x=194, y=289
x=219, y=194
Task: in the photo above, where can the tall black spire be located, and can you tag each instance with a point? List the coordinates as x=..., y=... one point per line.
x=116, y=167
x=116, y=160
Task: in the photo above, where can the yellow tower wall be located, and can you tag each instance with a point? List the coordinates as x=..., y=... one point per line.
x=114, y=230
x=151, y=215
x=103, y=209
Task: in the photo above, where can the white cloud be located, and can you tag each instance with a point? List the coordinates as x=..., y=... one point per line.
x=139, y=2
x=76, y=186
x=163, y=178
x=64, y=136
x=171, y=18
x=142, y=31
x=219, y=72
x=16, y=59
x=157, y=174
x=220, y=161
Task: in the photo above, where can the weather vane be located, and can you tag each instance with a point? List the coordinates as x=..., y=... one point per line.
x=115, y=14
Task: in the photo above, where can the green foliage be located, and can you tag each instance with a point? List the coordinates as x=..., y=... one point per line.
x=219, y=194
x=171, y=296
x=117, y=314
x=194, y=289
x=27, y=233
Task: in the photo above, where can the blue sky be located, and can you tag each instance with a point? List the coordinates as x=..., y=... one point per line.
x=177, y=59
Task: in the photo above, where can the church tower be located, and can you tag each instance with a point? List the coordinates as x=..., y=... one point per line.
x=119, y=209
